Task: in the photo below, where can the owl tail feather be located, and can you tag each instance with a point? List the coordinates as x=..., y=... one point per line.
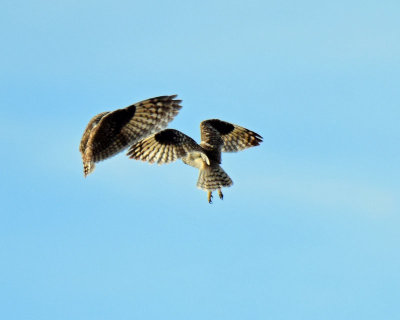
x=213, y=178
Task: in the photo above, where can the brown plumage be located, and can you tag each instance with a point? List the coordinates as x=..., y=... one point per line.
x=109, y=133
x=216, y=136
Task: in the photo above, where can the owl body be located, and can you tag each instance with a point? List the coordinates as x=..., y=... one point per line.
x=194, y=160
x=216, y=136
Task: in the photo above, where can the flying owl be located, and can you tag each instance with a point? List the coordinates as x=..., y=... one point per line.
x=108, y=133
x=216, y=136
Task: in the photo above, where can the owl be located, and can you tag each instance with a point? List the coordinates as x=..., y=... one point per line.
x=110, y=132
x=216, y=136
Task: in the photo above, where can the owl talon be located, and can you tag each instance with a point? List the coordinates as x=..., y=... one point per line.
x=221, y=196
x=209, y=197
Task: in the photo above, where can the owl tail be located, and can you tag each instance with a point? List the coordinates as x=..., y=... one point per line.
x=213, y=178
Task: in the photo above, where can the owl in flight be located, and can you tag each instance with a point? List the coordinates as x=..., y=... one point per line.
x=108, y=133
x=216, y=136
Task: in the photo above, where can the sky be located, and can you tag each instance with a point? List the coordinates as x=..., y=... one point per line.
x=310, y=228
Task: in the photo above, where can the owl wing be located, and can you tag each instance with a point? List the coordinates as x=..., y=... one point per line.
x=166, y=146
x=86, y=134
x=109, y=133
x=227, y=136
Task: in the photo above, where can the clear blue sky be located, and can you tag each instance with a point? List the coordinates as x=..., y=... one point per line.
x=310, y=228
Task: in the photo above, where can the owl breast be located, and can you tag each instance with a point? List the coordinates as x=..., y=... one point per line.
x=195, y=160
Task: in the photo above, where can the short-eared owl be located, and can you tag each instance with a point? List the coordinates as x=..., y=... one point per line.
x=108, y=133
x=216, y=136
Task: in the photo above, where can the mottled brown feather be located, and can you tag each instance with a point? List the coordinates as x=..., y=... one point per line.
x=230, y=137
x=111, y=132
x=164, y=147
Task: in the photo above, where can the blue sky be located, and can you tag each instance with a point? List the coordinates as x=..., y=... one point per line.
x=309, y=230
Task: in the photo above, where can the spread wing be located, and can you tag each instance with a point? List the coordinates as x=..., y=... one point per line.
x=109, y=133
x=227, y=137
x=166, y=146
x=86, y=134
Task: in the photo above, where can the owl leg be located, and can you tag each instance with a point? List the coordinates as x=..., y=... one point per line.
x=209, y=196
x=221, y=196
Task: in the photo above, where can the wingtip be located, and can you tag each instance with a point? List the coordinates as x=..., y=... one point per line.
x=258, y=140
x=129, y=154
x=88, y=168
